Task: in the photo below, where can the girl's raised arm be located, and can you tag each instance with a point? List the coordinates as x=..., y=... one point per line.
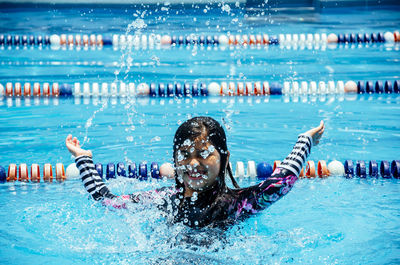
x=260, y=196
x=94, y=184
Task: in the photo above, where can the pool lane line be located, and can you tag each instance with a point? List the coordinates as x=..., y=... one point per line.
x=186, y=89
x=143, y=171
x=155, y=40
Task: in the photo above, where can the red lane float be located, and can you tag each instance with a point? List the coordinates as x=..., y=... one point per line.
x=47, y=173
x=70, y=40
x=237, y=39
x=46, y=89
x=55, y=90
x=258, y=39
x=12, y=172
x=266, y=90
x=396, y=36
x=23, y=173
x=36, y=89
x=240, y=89
x=60, y=172
x=92, y=40
x=231, y=89
x=265, y=39
x=17, y=89
x=27, y=90
x=322, y=169
x=252, y=39
x=78, y=40
x=9, y=89
x=99, y=40
x=231, y=40
x=85, y=40
x=35, y=173
x=245, y=40
x=257, y=89
x=310, y=169
x=224, y=88
x=248, y=90
x=301, y=175
x=63, y=39
x=276, y=164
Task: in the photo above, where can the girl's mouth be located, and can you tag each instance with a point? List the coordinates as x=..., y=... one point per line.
x=195, y=175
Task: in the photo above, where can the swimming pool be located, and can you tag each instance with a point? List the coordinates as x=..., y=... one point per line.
x=323, y=221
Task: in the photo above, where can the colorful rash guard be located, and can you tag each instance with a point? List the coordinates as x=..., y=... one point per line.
x=218, y=206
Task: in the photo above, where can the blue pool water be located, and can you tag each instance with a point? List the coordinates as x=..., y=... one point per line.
x=321, y=221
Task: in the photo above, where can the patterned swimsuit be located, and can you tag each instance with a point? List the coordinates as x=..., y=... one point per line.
x=218, y=206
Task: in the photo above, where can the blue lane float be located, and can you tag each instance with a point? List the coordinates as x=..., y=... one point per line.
x=379, y=87
x=361, y=170
x=142, y=171
x=161, y=90
x=264, y=170
x=396, y=86
x=373, y=169
x=361, y=87
x=110, y=171
x=349, y=168
x=132, y=171
x=369, y=87
x=395, y=168
x=155, y=170
x=121, y=171
x=170, y=90
x=3, y=175
x=385, y=169
x=153, y=92
x=388, y=87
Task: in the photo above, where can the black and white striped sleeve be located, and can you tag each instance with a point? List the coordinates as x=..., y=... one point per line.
x=295, y=160
x=91, y=179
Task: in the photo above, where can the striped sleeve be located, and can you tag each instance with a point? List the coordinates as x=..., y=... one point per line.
x=295, y=160
x=91, y=179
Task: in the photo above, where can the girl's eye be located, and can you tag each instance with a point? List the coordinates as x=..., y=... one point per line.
x=182, y=156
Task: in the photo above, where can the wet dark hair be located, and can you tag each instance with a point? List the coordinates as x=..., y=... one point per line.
x=196, y=127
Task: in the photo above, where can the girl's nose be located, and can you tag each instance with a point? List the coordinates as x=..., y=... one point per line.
x=194, y=163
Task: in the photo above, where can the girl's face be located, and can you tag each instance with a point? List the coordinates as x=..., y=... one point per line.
x=198, y=164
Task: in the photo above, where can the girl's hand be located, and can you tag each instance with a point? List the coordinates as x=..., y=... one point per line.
x=74, y=147
x=316, y=133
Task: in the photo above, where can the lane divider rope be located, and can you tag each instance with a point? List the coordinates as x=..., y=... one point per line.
x=152, y=40
x=144, y=171
x=177, y=89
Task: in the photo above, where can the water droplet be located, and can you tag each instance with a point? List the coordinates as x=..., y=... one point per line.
x=205, y=154
x=180, y=156
x=155, y=139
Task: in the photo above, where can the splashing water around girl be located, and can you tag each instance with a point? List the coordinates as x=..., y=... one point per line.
x=200, y=196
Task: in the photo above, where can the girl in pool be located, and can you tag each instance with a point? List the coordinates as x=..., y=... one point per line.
x=200, y=196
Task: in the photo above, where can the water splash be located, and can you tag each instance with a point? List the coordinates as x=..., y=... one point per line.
x=89, y=122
